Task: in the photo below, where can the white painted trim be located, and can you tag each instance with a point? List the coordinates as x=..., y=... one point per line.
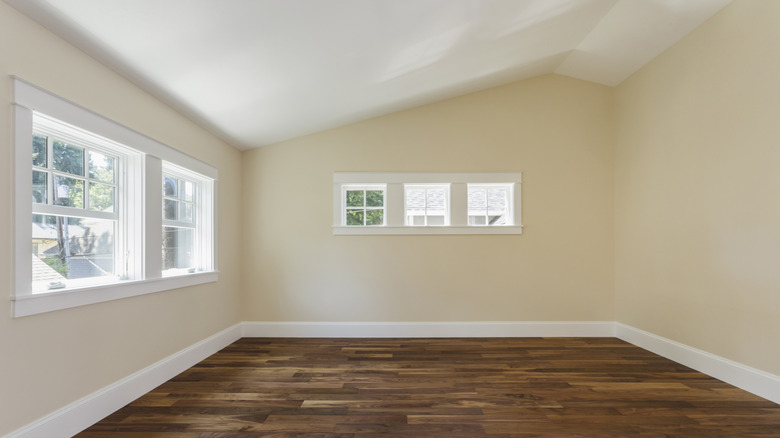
x=32, y=304
x=497, y=329
x=742, y=376
x=37, y=99
x=426, y=177
x=85, y=412
x=410, y=230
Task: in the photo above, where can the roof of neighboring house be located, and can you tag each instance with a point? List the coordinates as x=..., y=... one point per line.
x=44, y=272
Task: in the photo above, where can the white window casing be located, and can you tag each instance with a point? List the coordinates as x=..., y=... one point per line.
x=138, y=168
x=456, y=219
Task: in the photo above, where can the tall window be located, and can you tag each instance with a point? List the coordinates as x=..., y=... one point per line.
x=364, y=205
x=427, y=204
x=489, y=204
x=76, y=221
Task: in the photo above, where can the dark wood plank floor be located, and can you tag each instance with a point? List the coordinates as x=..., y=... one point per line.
x=515, y=387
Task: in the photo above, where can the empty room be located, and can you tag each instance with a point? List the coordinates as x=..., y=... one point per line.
x=407, y=218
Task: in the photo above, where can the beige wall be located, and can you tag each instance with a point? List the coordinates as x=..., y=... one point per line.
x=50, y=360
x=697, y=189
x=556, y=130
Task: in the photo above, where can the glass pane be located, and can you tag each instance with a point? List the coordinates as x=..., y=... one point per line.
x=477, y=220
x=68, y=192
x=497, y=199
x=169, y=187
x=436, y=220
x=67, y=248
x=355, y=217
x=436, y=200
x=417, y=220
x=68, y=158
x=355, y=198
x=101, y=167
x=477, y=199
x=39, y=186
x=375, y=217
x=101, y=197
x=375, y=198
x=177, y=249
x=186, y=190
x=497, y=219
x=170, y=210
x=185, y=212
x=39, y=150
x=415, y=200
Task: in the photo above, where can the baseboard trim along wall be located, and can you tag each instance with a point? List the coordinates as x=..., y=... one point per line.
x=77, y=416
x=742, y=376
x=492, y=329
x=82, y=413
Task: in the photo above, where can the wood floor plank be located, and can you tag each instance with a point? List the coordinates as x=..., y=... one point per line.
x=455, y=387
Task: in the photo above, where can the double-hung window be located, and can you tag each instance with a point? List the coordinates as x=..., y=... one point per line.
x=78, y=205
x=102, y=212
x=490, y=204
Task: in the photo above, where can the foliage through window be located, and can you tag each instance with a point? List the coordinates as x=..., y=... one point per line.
x=75, y=213
x=364, y=206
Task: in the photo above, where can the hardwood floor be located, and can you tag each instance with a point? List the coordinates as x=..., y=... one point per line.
x=498, y=387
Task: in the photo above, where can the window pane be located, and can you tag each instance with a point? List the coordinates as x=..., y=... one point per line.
x=355, y=198
x=68, y=192
x=185, y=212
x=169, y=187
x=375, y=217
x=497, y=199
x=477, y=199
x=171, y=209
x=68, y=158
x=39, y=150
x=39, y=186
x=375, y=198
x=101, y=197
x=67, y=248
x=477, y=220
x=186, y=190
x=101, y=167
x=355, y=217
x=178, y=245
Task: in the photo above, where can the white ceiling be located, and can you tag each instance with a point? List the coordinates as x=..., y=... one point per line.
x=255, y=72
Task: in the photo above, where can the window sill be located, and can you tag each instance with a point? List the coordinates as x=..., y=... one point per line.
x=357, y=231
x=41, y=302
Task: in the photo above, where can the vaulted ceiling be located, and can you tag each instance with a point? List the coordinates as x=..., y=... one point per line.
x=256, y=72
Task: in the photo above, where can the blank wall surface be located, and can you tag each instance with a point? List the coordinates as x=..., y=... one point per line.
x=556, y=130
x=697, y=189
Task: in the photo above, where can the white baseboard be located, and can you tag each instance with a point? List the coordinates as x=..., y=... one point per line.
x=82, y=413
x=496, y=329
x=85, y=412
x=742, y=376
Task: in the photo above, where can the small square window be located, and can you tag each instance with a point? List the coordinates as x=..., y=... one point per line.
x=490, y=204
x=364, y=205
x=427, y=204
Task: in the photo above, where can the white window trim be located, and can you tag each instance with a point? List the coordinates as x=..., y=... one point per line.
x=395, y=211
x=27, y=99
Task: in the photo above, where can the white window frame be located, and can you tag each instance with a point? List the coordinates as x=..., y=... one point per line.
x=143, y=271
x=395, y=211
x=365, y=187
x=126, y=162
x=510, y=205
x=202, y=219
x=425, y=188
